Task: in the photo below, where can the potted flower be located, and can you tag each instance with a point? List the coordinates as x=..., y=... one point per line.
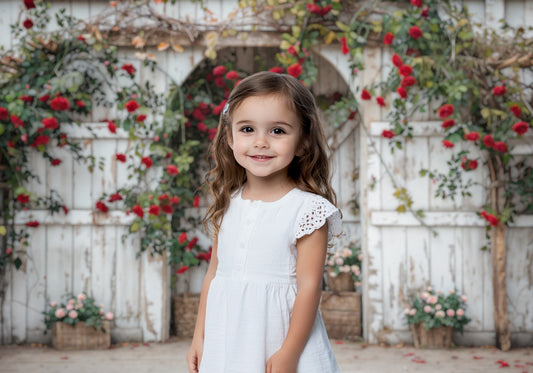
x=78, y=324
x=343, y=268
x=341, y=304
x=434, y=317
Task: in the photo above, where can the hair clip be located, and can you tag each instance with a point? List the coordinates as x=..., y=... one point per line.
x=225, y=110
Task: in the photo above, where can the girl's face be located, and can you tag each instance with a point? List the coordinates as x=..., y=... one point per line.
x=264, y=137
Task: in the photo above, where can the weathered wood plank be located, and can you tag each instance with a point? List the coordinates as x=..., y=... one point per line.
x=394, y=277
x=82, y=258
x=104, y=263
x=58, y=262
x=418, y=259
x=440, y=218
x=443, y=261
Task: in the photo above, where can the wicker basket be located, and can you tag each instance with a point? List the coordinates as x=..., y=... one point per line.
x=185, y=310
x=81, y=337
x=441, y=337
x=341, y=282
x=342, y=314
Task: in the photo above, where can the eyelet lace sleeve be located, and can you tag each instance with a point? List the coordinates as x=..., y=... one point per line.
x=315, y=213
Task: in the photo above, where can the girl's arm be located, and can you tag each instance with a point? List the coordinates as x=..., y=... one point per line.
x=309, y=271
x=194, y=356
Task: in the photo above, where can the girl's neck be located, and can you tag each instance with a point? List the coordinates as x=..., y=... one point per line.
x=267, y=192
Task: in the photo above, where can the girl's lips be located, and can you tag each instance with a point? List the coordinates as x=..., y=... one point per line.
x=261, y=158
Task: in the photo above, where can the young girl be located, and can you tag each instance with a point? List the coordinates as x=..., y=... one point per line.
x=273, y=214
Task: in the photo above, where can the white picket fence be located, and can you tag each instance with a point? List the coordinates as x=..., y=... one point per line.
x=84, y=250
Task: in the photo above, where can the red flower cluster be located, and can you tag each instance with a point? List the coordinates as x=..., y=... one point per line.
x=447, y=144
x=417, y=3
x=446, y=110
x=515, y=109
x=59, y=104
x=23, y=198
x=50, y=123
x=115, y=197
x=387, y=134
x=40, y=140
x=277, y=70
x=172, y=169
x=196, y=201
x=520, y=127
x=17, y=122
x=499, y=90
x=493, y=220
x=472, y=136
x=111, y=126
x=147, y=161
x=388, y=38
x=182, y=269
x=4, y=113
x=380, y=101
x=219, y=70
x=397, y=60
x=29, y=4
x=415, y=32
x=26, y=98
x=318, y=10
x=101, y=206
x=448, y=123
x=295, y=69
x=28, y=24
x=138, y=210
x=56, y=162
x=344, y=45
x=128, y=67
x=468, y=164
x=120, y=157
x=32, y=224
x=182, y=238
x=402, y=92
x=131, y=106
x=365, y=95
x=154, y=210
x=232, y=75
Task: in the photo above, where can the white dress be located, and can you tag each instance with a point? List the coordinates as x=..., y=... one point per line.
x=250, y=299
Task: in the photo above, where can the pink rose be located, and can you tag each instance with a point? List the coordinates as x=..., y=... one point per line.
x=450, y=313
x=53, y=304
x=109, y=316
x=432, y=299
x=70, y=307
x=82, y=297
x=72, y=314
x=460, y=312
x=60, y=313
x=427, y=309
x=412, y=312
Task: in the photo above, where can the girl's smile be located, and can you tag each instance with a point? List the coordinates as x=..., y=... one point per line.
x=264, y=137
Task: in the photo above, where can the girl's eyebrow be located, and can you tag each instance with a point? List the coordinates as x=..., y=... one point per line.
x=248, y=121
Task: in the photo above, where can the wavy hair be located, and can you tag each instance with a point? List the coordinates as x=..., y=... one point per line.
x=309, y=170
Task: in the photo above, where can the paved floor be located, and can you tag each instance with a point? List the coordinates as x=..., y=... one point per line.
x=352, y=357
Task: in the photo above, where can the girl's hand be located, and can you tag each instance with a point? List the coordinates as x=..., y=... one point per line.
x=282, y=362
x=194, y=356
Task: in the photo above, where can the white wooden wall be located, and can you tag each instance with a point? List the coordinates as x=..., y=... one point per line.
x=83, y=251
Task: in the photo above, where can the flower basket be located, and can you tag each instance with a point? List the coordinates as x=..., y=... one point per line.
x=340, y=282
x=185, y=311
x=80, y=336
x=342, y=314
x=441, y=337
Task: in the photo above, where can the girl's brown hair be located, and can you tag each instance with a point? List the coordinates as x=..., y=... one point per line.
x=309, y=169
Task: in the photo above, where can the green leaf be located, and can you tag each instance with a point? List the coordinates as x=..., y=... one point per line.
x=3, y=230
x=134, y=227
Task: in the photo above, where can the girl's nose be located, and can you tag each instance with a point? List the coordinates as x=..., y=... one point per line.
x=260, y=141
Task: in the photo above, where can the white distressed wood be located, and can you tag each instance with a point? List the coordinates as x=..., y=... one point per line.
x=58, y=262
x=82, y=180
x=394, y=277
x=38, y=167
x=437, y=162
x=417, y=158
x=19, y=300
x=36, y=286
x=59, y=177
x=82, y=258
x=181, y=64
x=10, y=10
x=443, y=259
x=104, y=262
x=476, y=8
x=418, y=259
x=444, y=219
x=7, y=320
x=514, y=12
x=494, y=12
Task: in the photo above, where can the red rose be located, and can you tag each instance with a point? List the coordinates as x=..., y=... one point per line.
x=138, y=210
x=182, y=238
x=468, y=164
x=29, y=4
x=520, y=127
x=417, y=3
x=488, y=141
x=101, y=206
x=131, y=106
x=111, y=126
x=447, y=144
x=50, y=123
x=26, y=98
x=387, y=134
x=365, y=95
x=147, y=161
x=291, y=50
x=17, y=122
x=198, y=115
x=380, y=100
x=220, y=82
x=218, y=109
x=515, y=109
x=154, y=210
x=162, y=197
x=120, y=157
x=232, y=75
x=277, y=69
x=493, y=220
x=172, y=169
x=446, y=110
x=448, y=123
x=33, y=224
x=167, y=209
x=295, y=70
x=28, y=24
x=401, y=91
x=201, y=127
x=128, y=67
x=115, y=197
x=80, y=104
x=500, y=146
x=499, y=90
x=219, y=70
x=59, y=104
x=56, y=162
x=405, y=70
x=325, y=10
x=425, y=12
x=4, y=113
x=408, y=81
x=388, y=38
x=415, y=32
x=23, y=198
x=472, y=136
x=397, y=60
x=65, y=210
x=40, y=140
x=344, y=46
x=196, y=201
x=141, y=117
x=174, y=200
x=44, y=98
x=182, y=269
x=313, y=8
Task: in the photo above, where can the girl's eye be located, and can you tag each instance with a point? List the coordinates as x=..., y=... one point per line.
x=247, y=129
x=278, y=131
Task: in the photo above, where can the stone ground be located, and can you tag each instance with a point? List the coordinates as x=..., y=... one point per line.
x=351, y=356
